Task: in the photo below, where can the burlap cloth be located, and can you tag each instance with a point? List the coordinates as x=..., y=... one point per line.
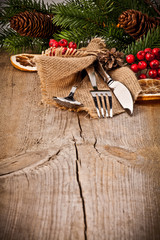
x=58, y=73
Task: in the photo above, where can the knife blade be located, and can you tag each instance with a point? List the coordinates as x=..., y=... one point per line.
x=120, y=91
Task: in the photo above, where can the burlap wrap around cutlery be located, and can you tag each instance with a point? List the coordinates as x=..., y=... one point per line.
x=58, y=74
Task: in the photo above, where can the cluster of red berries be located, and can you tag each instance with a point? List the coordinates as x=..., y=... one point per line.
x=149, y=60
x=63, y=43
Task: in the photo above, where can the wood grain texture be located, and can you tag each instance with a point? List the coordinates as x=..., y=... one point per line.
x=64, y=176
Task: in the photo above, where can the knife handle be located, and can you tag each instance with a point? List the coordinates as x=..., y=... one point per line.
x=92, y=77
x=109, y=79
x=106, y=77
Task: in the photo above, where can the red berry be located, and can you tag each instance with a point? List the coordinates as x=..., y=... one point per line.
x=156, y=52
x=134, y=68
x=63, y=43
x=150, y=56
x=148, y=50
x=55, y=44
x=130, y=58
x=154, y=64
x=158, y=71
x=141, y=55
x=152, y=73
x=142, y=76
x=72, y=45
x=51, y=41
x=64, y=49
x=142, y=65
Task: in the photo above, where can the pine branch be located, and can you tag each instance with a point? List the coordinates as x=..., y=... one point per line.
x=82, y=25
x=151, y=40
x=81, y=20
x=5, y=33
x=71, y=15
x=140, y=5
x=14, y=43
x=95, y=20
x=153, y=5
x=78, y=35
x=115, y=37
x=12, y=7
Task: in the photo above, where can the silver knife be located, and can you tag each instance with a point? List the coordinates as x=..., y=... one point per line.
x=120, y=91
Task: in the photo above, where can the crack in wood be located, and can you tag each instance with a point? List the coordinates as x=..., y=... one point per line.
x=26, y=177
x=6, y=174
x=39, y=165
x=52, y=157
x=94, y=145
x=80, y=190
x=80, y=127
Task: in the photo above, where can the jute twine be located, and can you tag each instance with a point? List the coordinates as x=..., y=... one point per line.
x=58, y=74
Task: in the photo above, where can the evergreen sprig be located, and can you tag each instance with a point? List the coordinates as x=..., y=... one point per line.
x=11, y=40
x=143, y=6
x=79, y=36
x=115, y=37
x=82, y=20
x=14, y=43
x=12, y=7
x=5, y=33
x=151, y=40
x=70, y=14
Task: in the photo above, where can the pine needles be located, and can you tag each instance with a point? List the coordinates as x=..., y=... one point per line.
x=88, y=17
x=143, y=6
x=85, y=19
x=87, y=14
x=11, y=7
x=115, y=37
x=151, y=40
x=79, y=21
x=11, y=40
x=14, y=43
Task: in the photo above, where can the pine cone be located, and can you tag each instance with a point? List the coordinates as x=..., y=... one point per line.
x=33, y=24
x=137, y=24
x=111, y=59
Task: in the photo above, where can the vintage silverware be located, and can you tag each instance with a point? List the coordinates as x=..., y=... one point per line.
x=101, y=95
x=120, y=91
x=69, y=101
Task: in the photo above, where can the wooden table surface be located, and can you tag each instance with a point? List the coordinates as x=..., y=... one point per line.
x=64, y=176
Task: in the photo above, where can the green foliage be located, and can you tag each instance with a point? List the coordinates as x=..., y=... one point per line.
x=75, y=35
x=115, y=37
x=140, y=5
x=80, y=21
x=14, y=43
x=87, y=14
x=5, y=33
x=151, y=40
x=12, y=7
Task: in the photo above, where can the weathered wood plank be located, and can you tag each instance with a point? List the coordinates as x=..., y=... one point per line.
x=64, y=176
x=56, y=211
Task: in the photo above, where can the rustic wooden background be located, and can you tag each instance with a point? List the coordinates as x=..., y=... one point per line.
x=64, y=176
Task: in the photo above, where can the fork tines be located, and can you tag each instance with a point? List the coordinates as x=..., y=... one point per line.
x=101, y=102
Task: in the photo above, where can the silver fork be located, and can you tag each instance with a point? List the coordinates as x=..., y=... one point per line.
x=101, y=95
